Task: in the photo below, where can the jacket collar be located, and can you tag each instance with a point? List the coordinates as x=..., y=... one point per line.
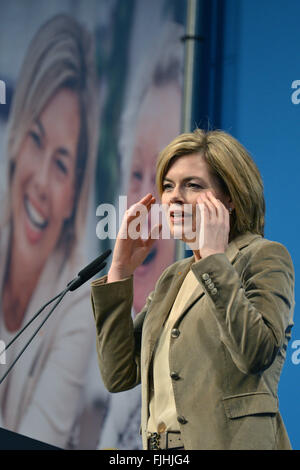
x=244, y=239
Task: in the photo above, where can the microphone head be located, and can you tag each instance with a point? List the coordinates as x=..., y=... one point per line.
x=90, y=267
x=73, y=285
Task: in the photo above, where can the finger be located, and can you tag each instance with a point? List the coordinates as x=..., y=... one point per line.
x=222, y=212
x=130, y=227
x=147, y=200
x=201, y=207
x=220, y=207
x=153, y=235
x=137, y=223
x=203, y=218
x=141, y=207
x=210, y=207
x=152, y=201
x=135, y=211
x=203, y=211
x=200, y=199
x=215, y=200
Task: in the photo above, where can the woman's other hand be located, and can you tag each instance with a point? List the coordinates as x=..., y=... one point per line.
x=130, y=248
x=214, y=225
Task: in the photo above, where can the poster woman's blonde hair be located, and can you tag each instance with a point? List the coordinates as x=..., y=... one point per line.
x=60, y=55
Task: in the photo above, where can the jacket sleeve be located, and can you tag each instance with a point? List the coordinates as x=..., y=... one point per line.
x=118, y=336
x=253, y=311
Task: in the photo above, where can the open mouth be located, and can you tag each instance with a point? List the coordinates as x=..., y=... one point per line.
x=179, y=215
x=36, y=219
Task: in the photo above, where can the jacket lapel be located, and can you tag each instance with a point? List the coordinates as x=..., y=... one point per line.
x=168, y=296
x=165, y=297
x=198, y=291
x=162, y=304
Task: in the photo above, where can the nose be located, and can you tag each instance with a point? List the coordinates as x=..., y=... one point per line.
x=175, y=195
x=42, y=176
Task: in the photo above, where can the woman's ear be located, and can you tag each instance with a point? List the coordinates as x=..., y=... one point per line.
x=228, y=202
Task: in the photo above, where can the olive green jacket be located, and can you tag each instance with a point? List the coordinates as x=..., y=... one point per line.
x=227, y=348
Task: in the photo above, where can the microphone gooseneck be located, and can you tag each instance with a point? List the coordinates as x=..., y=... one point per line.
x=83, y=276
x=34, y=334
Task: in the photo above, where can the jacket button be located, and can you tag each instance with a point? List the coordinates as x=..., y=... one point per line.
x=214, y=291
x=174, y=376
x=181, y=420
x=161, y=428
x=175, y=333
x=205, y=276
x=211, y=286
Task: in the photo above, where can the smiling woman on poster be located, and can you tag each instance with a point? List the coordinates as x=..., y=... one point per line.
x=51, y=145
x=209, y=345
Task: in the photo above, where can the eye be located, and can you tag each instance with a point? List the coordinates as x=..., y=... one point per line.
x=36, y=138
x=194, y=186
x=137, y=175
x=61, y=166
x=166, y=186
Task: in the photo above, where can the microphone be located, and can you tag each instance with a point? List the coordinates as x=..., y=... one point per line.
x=83, y=276
x=89, y=271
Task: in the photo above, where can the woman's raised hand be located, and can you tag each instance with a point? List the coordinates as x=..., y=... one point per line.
x=130, y=248
x=214, y=226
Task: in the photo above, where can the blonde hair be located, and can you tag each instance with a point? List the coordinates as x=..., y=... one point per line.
x=234, y=169
x=60, y=55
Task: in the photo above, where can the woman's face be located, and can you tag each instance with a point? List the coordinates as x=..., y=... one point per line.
x=43, y=179
x=158, y=124
x=186, y=179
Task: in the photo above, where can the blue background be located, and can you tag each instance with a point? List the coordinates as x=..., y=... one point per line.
x=261, y=59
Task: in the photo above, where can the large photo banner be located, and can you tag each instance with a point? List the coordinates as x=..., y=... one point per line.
x=91, y=92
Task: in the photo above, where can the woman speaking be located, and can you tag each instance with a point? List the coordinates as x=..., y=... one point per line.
x=210, y=343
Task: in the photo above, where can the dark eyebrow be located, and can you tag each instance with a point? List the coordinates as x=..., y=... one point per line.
x=63, y=151
x=188, y=178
